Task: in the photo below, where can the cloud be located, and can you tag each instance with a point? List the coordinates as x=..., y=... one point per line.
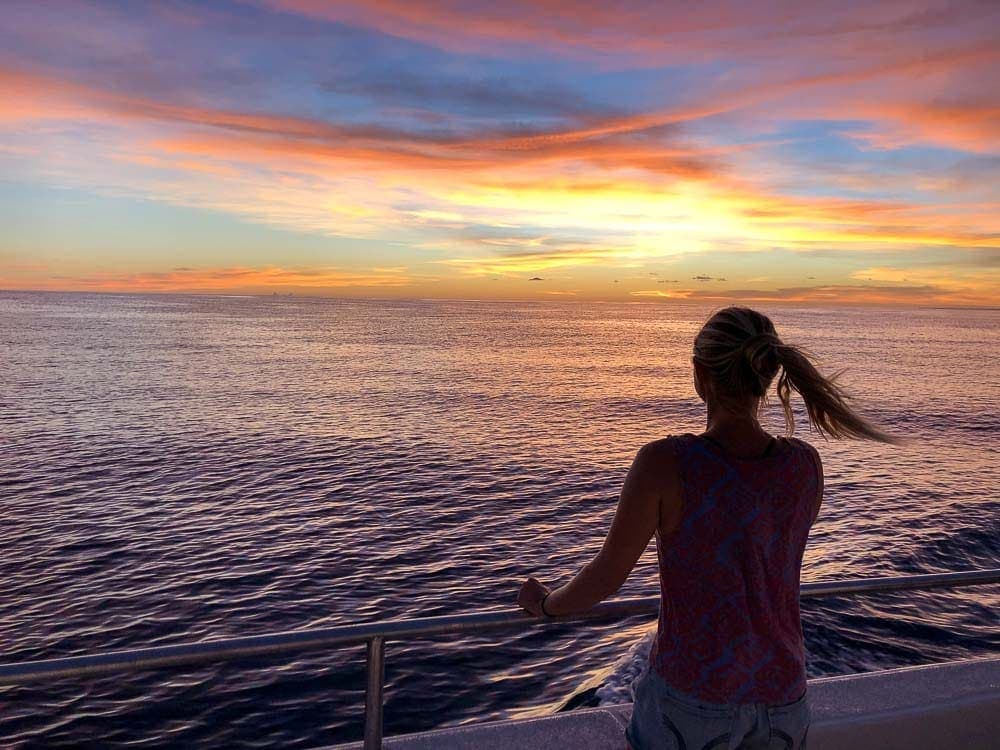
x=660, y=294
x=913, y=294
x=965, y=126
x=266, y=138
x=645, y=31
x=981, y=282
x=213, y=279
x=514, y=264
x=444, y=92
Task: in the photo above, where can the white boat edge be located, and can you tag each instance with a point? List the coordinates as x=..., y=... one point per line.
x=938, y=706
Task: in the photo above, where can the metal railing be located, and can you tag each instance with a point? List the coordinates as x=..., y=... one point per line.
x=375, y=635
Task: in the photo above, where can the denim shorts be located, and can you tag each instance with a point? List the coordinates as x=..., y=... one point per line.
x=666, y=719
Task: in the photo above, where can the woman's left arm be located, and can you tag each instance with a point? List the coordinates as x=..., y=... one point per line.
x=635, y=522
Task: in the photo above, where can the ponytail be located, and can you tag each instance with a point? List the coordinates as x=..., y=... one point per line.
x=743, y=353
x=827, y=404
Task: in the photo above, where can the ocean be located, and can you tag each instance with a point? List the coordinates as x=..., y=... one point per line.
x=177, y=467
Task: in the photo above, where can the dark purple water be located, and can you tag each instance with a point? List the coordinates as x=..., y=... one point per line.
x=180, y=467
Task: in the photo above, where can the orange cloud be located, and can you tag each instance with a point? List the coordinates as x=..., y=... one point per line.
x=518, y=264
x=966, y=126
x=980, y=283
x=870, y=294
x=214, y=280
x=661, y=294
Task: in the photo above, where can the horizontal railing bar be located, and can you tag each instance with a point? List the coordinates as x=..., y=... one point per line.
x=849, y=587
x=228, y=649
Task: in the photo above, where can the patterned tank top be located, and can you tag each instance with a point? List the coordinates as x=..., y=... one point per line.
x=729, y=628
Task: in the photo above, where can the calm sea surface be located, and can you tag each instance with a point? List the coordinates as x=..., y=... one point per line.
x=181, y=467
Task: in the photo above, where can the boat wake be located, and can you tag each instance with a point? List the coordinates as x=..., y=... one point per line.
x=616, y=685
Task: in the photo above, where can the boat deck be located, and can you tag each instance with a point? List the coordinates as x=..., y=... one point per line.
x=937, y=707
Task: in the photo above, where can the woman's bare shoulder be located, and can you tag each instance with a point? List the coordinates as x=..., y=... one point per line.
x=661, y=471
x=659, y=456
x=805, y=446
x=663, y=447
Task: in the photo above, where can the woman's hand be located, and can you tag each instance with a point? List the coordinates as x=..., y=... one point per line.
x=531, y=595
x=635, y=522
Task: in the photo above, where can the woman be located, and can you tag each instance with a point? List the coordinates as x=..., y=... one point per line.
x=731, y=510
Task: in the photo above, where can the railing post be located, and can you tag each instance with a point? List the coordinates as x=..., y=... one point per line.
x=375, y=668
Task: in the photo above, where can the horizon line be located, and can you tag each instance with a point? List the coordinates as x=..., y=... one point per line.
x=515, y=300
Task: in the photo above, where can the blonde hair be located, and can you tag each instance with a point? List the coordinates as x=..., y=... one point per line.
x=743, y=353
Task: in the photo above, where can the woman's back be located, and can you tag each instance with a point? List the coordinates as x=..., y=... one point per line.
x=729, y=629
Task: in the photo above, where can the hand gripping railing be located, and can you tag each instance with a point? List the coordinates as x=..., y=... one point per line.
x=376, y=634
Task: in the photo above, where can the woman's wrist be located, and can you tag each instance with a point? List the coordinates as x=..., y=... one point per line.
x=541, y=605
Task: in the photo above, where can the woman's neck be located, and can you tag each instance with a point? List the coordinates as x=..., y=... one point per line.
x=735, y=430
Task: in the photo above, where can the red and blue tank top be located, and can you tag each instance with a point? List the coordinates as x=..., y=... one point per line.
x=729, y=628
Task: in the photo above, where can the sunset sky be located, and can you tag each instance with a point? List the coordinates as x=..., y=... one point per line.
x=815, y=152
